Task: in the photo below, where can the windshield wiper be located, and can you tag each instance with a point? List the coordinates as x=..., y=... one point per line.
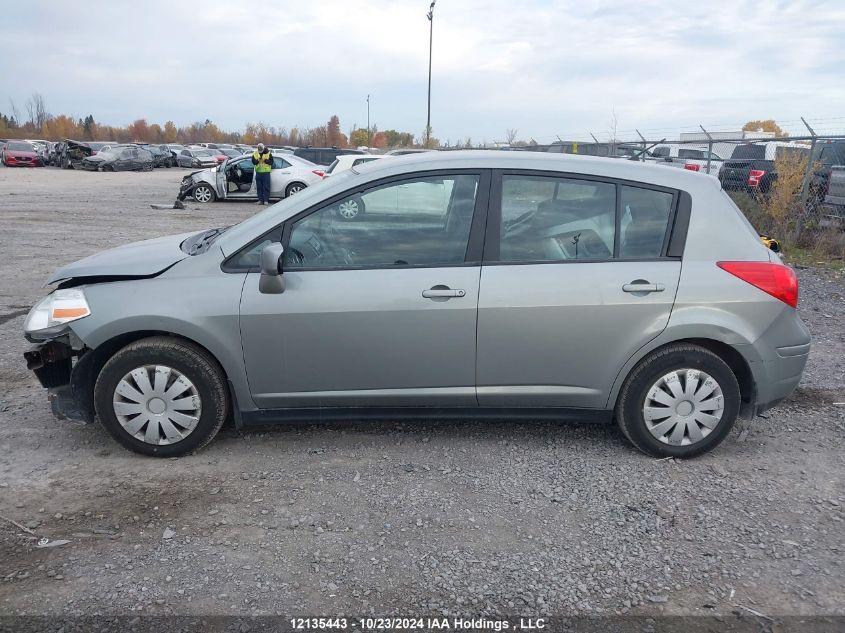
x=205, y=240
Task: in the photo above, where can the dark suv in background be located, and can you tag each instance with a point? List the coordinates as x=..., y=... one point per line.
x=323, y=155
x=751, y=167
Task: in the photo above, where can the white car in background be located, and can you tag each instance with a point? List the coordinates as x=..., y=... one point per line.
x=348, y=161
x=687, y=157
x=235, y=179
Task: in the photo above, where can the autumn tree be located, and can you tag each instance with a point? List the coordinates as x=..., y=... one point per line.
x=379, y=140
x=398, y=139
x=765, y=125
x=170, y=132
x=139, y=131
x=334, y=137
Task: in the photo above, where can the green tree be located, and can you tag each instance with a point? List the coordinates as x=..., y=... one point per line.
x=358, y=138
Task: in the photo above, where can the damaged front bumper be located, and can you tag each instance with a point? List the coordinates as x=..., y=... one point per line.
x=68, y=381
x=187, y=187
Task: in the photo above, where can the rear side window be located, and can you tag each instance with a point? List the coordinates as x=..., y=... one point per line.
x=695, y=154
x=753, y=152
x=644, y=221
x=556, y=219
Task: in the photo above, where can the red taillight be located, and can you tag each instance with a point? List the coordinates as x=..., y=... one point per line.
x=319, y=172
x=692, y=166
x=755, y=176
x=775, y=279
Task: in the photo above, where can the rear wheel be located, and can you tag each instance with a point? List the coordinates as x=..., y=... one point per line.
x=204, y=193
x=162, y=397
x=351, y=209
x=680, y=401
x=294, y=187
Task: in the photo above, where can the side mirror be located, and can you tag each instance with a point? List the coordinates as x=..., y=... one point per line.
x=272, y=281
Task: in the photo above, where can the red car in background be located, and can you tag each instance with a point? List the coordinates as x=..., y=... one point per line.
x=20, y=154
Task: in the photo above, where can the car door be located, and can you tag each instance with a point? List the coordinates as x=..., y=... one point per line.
x=576, y=278
x=378, y=312
x=280, y=176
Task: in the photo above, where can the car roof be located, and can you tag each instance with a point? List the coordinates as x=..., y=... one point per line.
x=576, y=163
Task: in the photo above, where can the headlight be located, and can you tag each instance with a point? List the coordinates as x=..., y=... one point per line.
x=57, y=308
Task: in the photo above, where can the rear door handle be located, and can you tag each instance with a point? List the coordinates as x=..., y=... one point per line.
x=441, y=292
x=640, y=285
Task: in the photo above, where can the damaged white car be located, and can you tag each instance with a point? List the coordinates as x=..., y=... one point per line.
x=235, y=179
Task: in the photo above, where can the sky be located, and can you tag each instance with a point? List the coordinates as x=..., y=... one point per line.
x=545, y=68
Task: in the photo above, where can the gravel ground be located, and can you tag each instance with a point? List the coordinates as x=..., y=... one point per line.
x=397, y=518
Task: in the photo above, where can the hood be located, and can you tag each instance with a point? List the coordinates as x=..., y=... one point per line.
x=19, y=153
x=138, y=259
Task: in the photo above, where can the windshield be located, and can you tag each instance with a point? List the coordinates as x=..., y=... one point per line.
x=203, y=152
x=21, y=147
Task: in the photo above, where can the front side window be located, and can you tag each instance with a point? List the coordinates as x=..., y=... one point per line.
x=556, y=219
x=415, y=222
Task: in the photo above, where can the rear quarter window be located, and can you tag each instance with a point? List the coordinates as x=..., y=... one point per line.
x=753, y=152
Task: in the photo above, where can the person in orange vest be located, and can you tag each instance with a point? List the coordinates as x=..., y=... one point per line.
x=262, y=158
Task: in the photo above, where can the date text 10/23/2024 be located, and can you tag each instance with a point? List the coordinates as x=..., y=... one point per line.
x=416, y=624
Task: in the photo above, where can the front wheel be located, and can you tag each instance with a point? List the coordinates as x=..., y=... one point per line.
x=294, y=187
x=204, y=193
x=162, y=397
x=680, y=401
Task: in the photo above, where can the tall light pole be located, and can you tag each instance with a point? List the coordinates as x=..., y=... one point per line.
x=368, y=121
x=430, y=16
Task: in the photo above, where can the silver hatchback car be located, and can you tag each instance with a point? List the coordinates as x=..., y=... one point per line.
x=473, y=284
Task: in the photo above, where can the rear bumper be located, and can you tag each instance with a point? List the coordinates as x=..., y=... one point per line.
x=782, y=375
x=777, y=367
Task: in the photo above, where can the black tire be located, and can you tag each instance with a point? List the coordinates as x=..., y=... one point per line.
x=190, y=360
x=294, y=188
x=629, y=405
x=203, y=186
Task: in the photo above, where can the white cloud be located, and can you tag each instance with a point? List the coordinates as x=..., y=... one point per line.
x=543, y=67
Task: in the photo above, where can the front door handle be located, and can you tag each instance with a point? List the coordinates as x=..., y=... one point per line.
x=442, y=292
x=641, y=285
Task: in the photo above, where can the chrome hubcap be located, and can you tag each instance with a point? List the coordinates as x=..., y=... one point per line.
x=683, y=407
x=157, y=404
x=203, y=194
x=348, y=209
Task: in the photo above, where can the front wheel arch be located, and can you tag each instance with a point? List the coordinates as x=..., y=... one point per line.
x=90, y=364
x=204, y=185
x=207, y=376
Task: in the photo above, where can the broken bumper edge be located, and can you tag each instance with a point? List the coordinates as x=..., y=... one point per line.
x=52, y=364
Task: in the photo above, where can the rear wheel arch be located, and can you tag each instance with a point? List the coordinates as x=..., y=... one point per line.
x=732, y=358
